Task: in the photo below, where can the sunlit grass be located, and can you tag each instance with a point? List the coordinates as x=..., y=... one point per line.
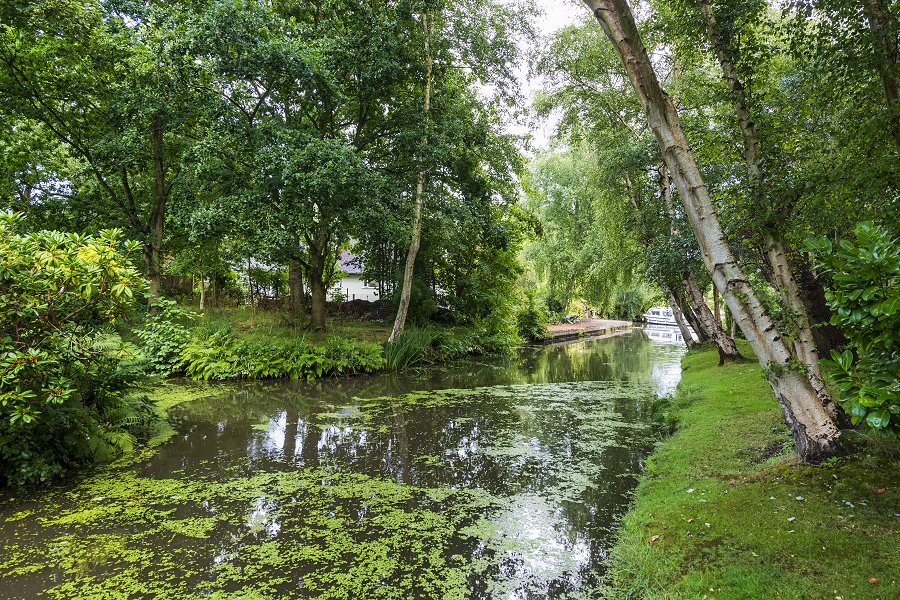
x=725, y=510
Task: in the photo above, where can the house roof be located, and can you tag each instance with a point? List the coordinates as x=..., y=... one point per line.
x=350, y=263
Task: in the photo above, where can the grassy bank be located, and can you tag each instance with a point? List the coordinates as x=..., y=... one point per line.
x=246, y=343
x=725, y=511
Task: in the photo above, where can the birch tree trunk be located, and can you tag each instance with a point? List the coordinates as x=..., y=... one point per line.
x=717, y=309
x=813, y=429
x=406, y=290
x=690, y=315
x=724, y=344
x=776, y=250
x=695, y=307
x=679, y=316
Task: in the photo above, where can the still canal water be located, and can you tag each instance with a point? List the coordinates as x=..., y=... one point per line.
x=490, y=478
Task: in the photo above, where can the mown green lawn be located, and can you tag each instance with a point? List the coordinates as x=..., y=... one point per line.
x=725, y=510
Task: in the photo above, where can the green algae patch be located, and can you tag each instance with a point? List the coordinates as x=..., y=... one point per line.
x=167, y=395
x=724, y=510
x=333, y=533
x=195, y=527
x=353, y=535
x=270, y=491
x=22, y=514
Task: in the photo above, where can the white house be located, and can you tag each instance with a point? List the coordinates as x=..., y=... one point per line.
x=352, y=286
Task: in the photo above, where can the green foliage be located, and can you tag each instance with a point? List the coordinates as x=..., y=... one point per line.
x=864, y=297
x=64, y=376
x=531, y=320
x=412, y=348
x=495, y=333
x=219, y=355
x=165, y=335
x=430, y=344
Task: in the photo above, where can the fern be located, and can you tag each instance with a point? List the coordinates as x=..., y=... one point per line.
x=219, y=356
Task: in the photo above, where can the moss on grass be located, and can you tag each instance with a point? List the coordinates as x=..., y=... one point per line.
x=725, y=511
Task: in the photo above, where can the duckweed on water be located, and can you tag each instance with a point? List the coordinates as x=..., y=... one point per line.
x=351, y=532
x=475, y=493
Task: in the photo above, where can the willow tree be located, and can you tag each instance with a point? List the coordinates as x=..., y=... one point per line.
x=810, y=420
x=587, y=85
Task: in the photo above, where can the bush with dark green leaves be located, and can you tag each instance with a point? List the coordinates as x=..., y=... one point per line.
x=66, y=379
x=531, y=320
x=164, y=336
x=864, y=296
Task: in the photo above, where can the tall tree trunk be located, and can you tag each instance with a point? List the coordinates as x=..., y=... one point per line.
x=777, y=252
x=318, y=251
x=885, y=32
x=202, y=291
x=814, y=431
x=697, y=311
x=683, y=301
x=679, y=315
x=153, y=249
x=249, y=282
x=725, y=345
x=318, y=309
x=216, y=291
x=675, y=299
x=406, y=290
x=295, y=286
x=717, y=308
x=827, y=336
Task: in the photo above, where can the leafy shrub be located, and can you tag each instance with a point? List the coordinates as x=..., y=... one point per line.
x=165, y=336
x=495, y=333
x=449, y=344
x=531, y=321
x=218, y=355
x=864, y=297
x=65, y=378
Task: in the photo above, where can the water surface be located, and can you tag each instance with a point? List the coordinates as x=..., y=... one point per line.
x=489, y=478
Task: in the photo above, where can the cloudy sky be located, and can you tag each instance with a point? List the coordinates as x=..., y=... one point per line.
x=558, y=13
x=555, y=15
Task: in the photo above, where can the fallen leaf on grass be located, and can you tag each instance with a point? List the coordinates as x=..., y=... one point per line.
x=874, y=580
x=653, y=538
x=880, y=490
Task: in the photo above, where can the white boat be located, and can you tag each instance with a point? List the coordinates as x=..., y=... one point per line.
x=661, y=315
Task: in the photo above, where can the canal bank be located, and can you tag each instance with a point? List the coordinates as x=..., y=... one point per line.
x=723, y=509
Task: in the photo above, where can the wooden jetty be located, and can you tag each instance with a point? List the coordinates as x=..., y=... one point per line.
x=586, y=328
